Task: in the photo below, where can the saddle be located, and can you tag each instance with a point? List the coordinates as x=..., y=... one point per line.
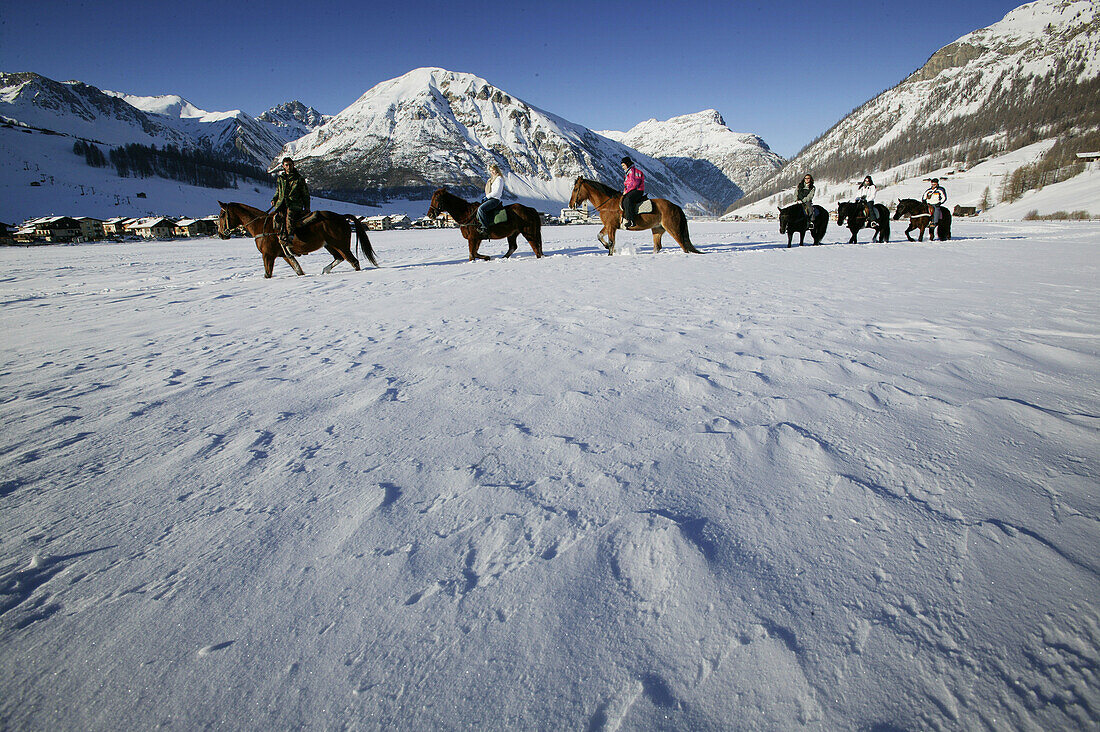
x=499, y=217
x=646, y=206
x=309, y=218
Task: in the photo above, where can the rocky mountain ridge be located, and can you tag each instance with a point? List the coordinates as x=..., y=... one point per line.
x=432, y=127
x=1034, y=75
x=720, y=163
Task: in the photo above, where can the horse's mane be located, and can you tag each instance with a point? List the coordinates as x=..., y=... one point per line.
x=602, y=188
x=250, y=209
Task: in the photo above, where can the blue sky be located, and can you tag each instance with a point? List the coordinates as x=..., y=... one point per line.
x=786, y=71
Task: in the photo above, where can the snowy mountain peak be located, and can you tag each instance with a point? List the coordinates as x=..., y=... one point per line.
x=432, y=127
x=293, y=119
x=702, y=149
x=168, y=105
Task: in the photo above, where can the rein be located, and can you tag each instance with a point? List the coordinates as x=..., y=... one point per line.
x=245, y=224
x=610, y=200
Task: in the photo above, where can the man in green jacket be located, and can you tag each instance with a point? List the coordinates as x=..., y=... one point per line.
x=291, y=201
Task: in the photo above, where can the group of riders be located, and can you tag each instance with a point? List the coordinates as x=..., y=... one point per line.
x=291, y=200
x=935, y=197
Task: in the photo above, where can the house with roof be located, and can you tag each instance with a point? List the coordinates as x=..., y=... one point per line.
x=195, y=227
x=377, y=223
x=116, y=226
x=56, y=229
x=90, y=229
x=153, y=227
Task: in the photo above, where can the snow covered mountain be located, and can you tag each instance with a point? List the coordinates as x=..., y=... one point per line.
x=292, y=120
x=433, y=127
x=232, y=132
x=81, y=110
x=1034, y=75
x=114, y=118
x=720, y=163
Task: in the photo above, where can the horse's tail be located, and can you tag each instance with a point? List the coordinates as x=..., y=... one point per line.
x=681, y=223
x=363, y=240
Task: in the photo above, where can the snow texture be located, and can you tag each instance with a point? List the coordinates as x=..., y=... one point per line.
x=833, y=487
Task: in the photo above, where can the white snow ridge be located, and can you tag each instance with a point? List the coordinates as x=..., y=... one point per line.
x=830, y=487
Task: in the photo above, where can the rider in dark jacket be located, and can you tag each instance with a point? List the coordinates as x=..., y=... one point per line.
x=806, y=196
x=291, y=201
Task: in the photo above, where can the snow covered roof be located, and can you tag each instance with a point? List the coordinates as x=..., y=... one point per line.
x=151, y=222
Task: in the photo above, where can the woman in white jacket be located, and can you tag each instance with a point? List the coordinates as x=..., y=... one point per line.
x=867, y=192
x=494, y=191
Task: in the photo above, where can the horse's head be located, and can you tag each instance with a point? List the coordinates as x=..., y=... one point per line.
x=784, y=220
x=435, y=208
x=224, y=227
x=903, y=208
x=842, y=212
x=579, y=195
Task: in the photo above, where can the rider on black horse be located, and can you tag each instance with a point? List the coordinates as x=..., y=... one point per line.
x=867, y=191
x=291, y=201
x=935, y=197
x=806, y=197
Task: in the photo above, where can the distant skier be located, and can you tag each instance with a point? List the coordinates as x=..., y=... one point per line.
x=806, y=197
x=633, y=190
x=491, y=203
x=935, y=197
x=867, y=192
x=291, y=202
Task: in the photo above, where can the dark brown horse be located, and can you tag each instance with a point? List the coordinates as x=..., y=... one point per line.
x=666, y=216
x=319, y=229
x=920, y=217
x=521, y=220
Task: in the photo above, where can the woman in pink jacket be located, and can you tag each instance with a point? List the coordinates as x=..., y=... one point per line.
x=633, y=190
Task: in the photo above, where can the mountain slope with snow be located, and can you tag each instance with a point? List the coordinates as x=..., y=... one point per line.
x=293, y=119
x=81, y=110
x=233, y=132
x=113, y=118
x=1032, y=76
x=433, y=127
x=718, y=162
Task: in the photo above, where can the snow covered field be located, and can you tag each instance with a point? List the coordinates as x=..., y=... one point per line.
x=838, y=487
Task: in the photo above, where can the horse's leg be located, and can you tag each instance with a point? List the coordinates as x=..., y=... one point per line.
x=475, y=242
x=336, y=258
x=658, y=232
x=511, y=245
x=610, y=236
x=340, y=249
x=269, y=264
x=912, y=226
x=534, y=238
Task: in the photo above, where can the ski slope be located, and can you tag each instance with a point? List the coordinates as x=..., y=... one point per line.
x=832, y=487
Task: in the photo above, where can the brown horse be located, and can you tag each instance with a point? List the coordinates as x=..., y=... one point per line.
x=319, y=229
x=521, y=220
x=608, y=201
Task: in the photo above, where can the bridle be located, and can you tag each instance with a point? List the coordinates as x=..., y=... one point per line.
x=244, y=224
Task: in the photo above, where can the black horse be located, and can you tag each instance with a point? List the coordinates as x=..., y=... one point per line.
x=921, y=218
x=856, y=215
x=793, y=219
